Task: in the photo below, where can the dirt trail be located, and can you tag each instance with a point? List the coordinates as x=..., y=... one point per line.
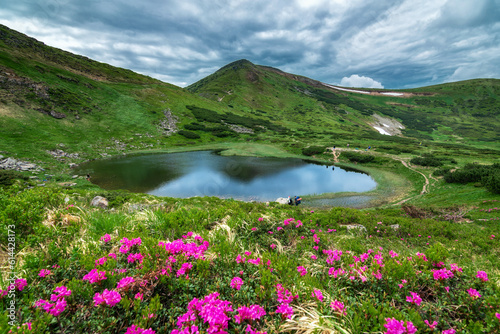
x=424, y=188
x=336, y=153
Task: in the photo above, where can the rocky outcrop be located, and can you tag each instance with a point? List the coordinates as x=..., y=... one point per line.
x=59, y=154
x=100, y=202
x=14, y=164
x=169, y=124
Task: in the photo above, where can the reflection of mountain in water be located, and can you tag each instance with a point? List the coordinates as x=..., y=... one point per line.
x=246, y=169
x=206, y=174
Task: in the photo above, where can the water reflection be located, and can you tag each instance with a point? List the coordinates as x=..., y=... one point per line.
x=204, y=173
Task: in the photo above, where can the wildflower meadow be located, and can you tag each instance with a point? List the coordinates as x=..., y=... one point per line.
x=207, y=265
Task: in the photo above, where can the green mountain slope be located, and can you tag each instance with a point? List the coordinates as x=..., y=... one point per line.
x=51, y=99
x=457, y=112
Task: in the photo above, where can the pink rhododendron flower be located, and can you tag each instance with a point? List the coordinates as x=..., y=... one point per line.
x=249, y=313
x=62, y=292
x=132, y=257
x=414, y=298
x=394, y=326
x=124, y=282
x=431, y=326
x=393, y=254
x=95, y=275
x=137, y=330
x=236, y=283
x=314, y=257
x=474, y=293
x=260, y=219
x=185, y=268
x=338, y=306
x=101, y=261
x=254, y=228
x=112, y=255
x=286, y=310
x=139, y=295
x=284, y=295
x=273, y=246
x=105, y=238
x=44, y=272
x=497, y=315
x=442, y=274
x=449, y=331
x=19, y=284
x=256, y=261
x=318, y=294
x=250, y=330
x=111, y=298
x=302, y=270
x=483, y=276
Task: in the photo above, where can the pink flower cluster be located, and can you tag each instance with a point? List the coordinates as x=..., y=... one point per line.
x=128, y=244
x=44, y=272
x=338, y=306
x=188, y=249
x=285, y=297
x=111, y=298
x=138, y=330
x=59, y=300
x=335, y=272
x=302, y=270
x=318, y=294
x=94, y=276
x=332, y=255
x=483, y=276
x=132, y=257
x=210, y=309
x=236, y=283
x=431, y=326
x=442, y=274
x=19, y=284
x=125, y=282
x=254, y=312
x=414, y=298
x=185, y=268
x=105, y=238
x=474, y=293
x=394, y=326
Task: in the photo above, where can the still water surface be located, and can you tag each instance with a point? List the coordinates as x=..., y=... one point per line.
x=204, y=173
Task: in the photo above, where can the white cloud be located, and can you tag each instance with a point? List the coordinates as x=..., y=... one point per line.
x=360, y=81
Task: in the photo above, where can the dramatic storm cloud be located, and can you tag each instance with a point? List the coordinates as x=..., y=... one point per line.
x=392, y=44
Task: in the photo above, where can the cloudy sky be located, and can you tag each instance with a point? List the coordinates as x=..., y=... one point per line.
x=356, y=43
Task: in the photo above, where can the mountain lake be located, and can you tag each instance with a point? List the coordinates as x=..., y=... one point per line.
x=206, y=173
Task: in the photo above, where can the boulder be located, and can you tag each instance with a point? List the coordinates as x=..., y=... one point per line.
x=282, y=200
x=100, y=202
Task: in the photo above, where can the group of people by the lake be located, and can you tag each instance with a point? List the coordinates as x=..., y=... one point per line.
x=297, y=200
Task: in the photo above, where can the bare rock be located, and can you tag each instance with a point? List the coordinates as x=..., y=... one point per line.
x=100, y=202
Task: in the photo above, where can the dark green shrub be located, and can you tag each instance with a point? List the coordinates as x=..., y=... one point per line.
x=492, y=182
x=473, y=173
x=195, y=127
x=312, y=150
x=428, y=161
x=189, y=134
x=441, y=171
x=7, y=177
x=357, y=157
